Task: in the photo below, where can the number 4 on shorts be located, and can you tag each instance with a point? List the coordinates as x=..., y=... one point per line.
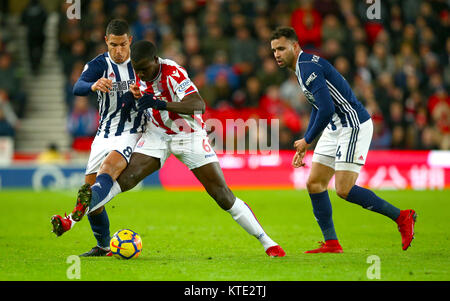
x=338, y=152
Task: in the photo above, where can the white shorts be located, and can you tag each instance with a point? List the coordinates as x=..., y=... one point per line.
x=192, y=149
x=345, y=148
x=101, y=147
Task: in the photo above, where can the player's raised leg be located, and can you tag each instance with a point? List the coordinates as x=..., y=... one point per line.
x=348, y=190
x=317, y=186
x=97, y=185
x=211, y=177
x=109, y=170
x=105, y=189
x=140, y=166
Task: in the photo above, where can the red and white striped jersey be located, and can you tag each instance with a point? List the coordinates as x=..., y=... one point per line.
x=171, y=84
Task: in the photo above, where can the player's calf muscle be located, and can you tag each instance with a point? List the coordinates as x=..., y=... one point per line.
x=223, y=196
x=128, y=179
x=140, y=166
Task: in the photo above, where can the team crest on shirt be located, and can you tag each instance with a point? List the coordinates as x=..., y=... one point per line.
x=175, y=73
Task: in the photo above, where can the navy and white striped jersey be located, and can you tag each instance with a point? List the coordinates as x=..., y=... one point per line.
x=122, y=76
x=334, y=103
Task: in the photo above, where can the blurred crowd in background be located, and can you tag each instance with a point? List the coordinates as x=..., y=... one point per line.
x=398, y=65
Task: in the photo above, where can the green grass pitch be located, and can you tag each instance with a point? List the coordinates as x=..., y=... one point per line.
x=187, y=237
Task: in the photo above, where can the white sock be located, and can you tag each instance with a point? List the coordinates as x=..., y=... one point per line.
x=72, y=221
x=244, y=216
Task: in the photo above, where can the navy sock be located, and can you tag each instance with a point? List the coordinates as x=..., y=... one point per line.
x=100, y=228
x=323, y=212
x=369, y=200
x=100, y=189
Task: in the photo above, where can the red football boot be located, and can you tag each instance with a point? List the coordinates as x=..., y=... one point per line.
x=275, y=251
x=60, y=224
x=329, y=246
x=406, y=222
x=83, y=201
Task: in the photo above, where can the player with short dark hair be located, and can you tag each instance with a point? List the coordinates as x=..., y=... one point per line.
x=343, y=146
x=117, y=27
x=174, y=107
x=110, y=75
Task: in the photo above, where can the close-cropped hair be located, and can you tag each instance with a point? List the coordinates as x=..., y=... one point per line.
x=117, y=27
x=284, y=31
x=142, y=50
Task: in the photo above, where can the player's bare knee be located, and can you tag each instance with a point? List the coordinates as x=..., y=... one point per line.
x=342, y=192
x=314, y=186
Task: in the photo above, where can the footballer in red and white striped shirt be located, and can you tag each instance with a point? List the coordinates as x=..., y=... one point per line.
x=171, y=84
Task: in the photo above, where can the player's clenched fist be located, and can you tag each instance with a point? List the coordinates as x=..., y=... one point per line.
x=103, y=85
x=136, y=91
x=297, y=161
x=300, y=146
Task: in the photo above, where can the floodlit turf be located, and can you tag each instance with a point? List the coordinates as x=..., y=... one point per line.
x=186, y=236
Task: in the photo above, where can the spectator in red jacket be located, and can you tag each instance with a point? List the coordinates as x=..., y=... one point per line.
x=307, y=23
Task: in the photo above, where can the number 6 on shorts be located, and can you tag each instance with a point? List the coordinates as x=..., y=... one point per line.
x=206, y=146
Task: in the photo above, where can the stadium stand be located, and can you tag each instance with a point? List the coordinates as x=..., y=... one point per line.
x=397, y=65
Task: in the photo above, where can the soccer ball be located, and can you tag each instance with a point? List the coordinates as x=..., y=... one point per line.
x=126, y=244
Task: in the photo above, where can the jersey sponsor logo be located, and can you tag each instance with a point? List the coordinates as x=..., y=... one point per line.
x=184, y=85
x=121, y=87
x=112, y=75
x=311, y=78
x=315, y=58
